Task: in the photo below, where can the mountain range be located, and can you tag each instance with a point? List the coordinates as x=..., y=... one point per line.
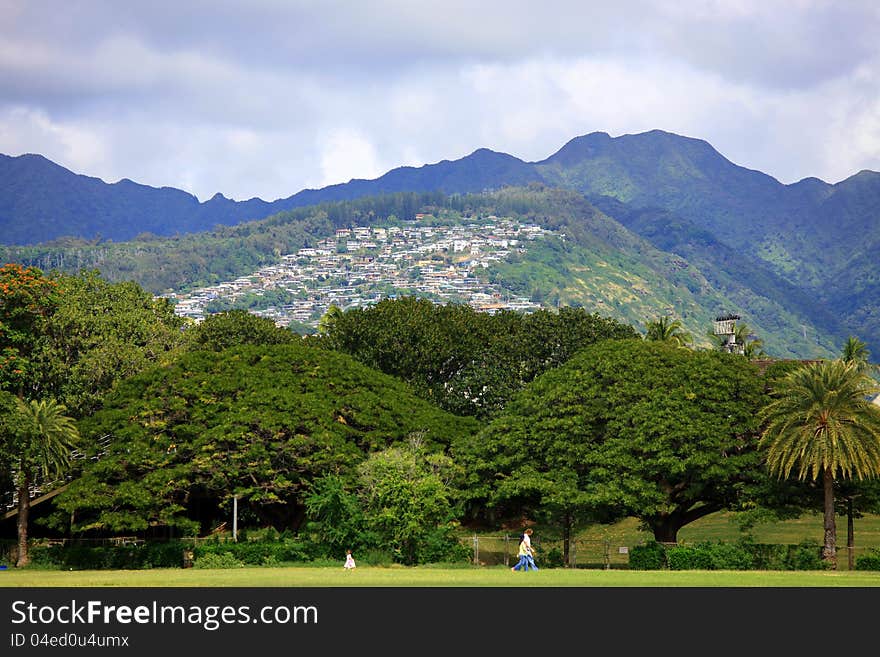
x=807, y=249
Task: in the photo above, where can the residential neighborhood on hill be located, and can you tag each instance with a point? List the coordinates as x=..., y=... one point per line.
x=359, y=266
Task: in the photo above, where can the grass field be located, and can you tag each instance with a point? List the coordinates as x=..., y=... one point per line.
x=398, y=576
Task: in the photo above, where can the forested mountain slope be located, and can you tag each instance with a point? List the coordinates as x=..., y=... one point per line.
x=799, y=256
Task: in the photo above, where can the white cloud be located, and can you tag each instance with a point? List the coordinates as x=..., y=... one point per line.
x=345, y=154
x=274, y=97
x=28, y=130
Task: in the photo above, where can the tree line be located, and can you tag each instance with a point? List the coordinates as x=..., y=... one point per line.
x=397, y=423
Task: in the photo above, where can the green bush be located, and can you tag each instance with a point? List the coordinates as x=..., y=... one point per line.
x=869, y=561
x=710, y=556
x=551, y=559
x=110, y=557
x=376, y=557
x=743, y=555
x=650, y=556
x=696, y=557
x=807, y=555
x=217, y=560
x=441, y=546
x=255, y=553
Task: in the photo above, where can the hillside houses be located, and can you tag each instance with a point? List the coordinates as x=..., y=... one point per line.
x=361, y=265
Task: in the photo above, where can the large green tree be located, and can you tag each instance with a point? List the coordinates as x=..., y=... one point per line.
x=72, y=337
x=27, y=301
x=257, y=422
x=624, y=428
x=821, y=424
x=233, y=328
x=101, y=333
x=408, y=503
x=467, y=362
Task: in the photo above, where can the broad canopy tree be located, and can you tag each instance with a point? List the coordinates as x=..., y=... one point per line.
x=625, y=428
x=72, y=337
x=259, y=422
x=465, y=361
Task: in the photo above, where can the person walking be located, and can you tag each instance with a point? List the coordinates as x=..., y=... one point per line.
x=523, y=554
x=529, y=550
x=349, y=561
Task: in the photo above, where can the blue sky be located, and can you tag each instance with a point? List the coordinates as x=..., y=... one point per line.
x=268, y=97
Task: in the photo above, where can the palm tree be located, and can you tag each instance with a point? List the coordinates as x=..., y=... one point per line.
x=856, y=351
x=820, y=421
x=46, y=436
x=754, y=348
x=668, y=329
x=328, y=320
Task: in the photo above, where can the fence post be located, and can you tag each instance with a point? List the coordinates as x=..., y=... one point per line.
x=476, y=551
x=607, y=554
x=507, y=550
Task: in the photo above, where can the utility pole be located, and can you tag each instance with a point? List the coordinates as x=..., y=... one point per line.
x=235, y=518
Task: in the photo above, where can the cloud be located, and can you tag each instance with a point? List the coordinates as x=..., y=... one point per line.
x=345, y=155
x=271, y=97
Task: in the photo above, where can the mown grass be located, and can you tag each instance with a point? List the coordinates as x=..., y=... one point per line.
x=399, y=576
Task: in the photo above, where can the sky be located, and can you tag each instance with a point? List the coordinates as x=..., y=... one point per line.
x=265, y=98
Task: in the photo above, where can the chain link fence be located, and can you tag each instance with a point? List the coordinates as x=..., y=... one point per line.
x=502, y=550
x=490, y=550
x=598, y=554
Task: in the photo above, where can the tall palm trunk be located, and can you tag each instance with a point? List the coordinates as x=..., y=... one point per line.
x=850, y=534
x=829, y=550
x=24, y=506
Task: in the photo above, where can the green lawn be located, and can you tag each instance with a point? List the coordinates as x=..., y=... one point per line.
x=398, y=576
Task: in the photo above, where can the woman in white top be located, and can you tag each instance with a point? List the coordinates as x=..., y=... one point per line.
x=530, y=552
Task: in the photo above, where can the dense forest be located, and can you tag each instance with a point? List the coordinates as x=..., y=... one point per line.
x=389, y=428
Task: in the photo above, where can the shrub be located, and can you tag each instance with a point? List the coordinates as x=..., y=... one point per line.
x=115, y=557
x=377, y=557
x=869, y=561
x=650, y=556
x=807, y=555
x=696, y=557
x=217, y=560
x=551, y=559
x=256, y=553
x=710, y=556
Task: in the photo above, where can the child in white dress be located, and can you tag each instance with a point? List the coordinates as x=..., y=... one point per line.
x=349, y=561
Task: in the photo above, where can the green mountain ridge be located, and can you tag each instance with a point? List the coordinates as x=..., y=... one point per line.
x=798, y=256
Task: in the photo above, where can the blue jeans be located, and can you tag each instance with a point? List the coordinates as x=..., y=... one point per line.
x=530, y=562
x=522, y=563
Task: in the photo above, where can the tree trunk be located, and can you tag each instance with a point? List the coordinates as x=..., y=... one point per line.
x=666, y=531
x=24, y=505
x=829, y=549
x=850, y=534
x=566, y=539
